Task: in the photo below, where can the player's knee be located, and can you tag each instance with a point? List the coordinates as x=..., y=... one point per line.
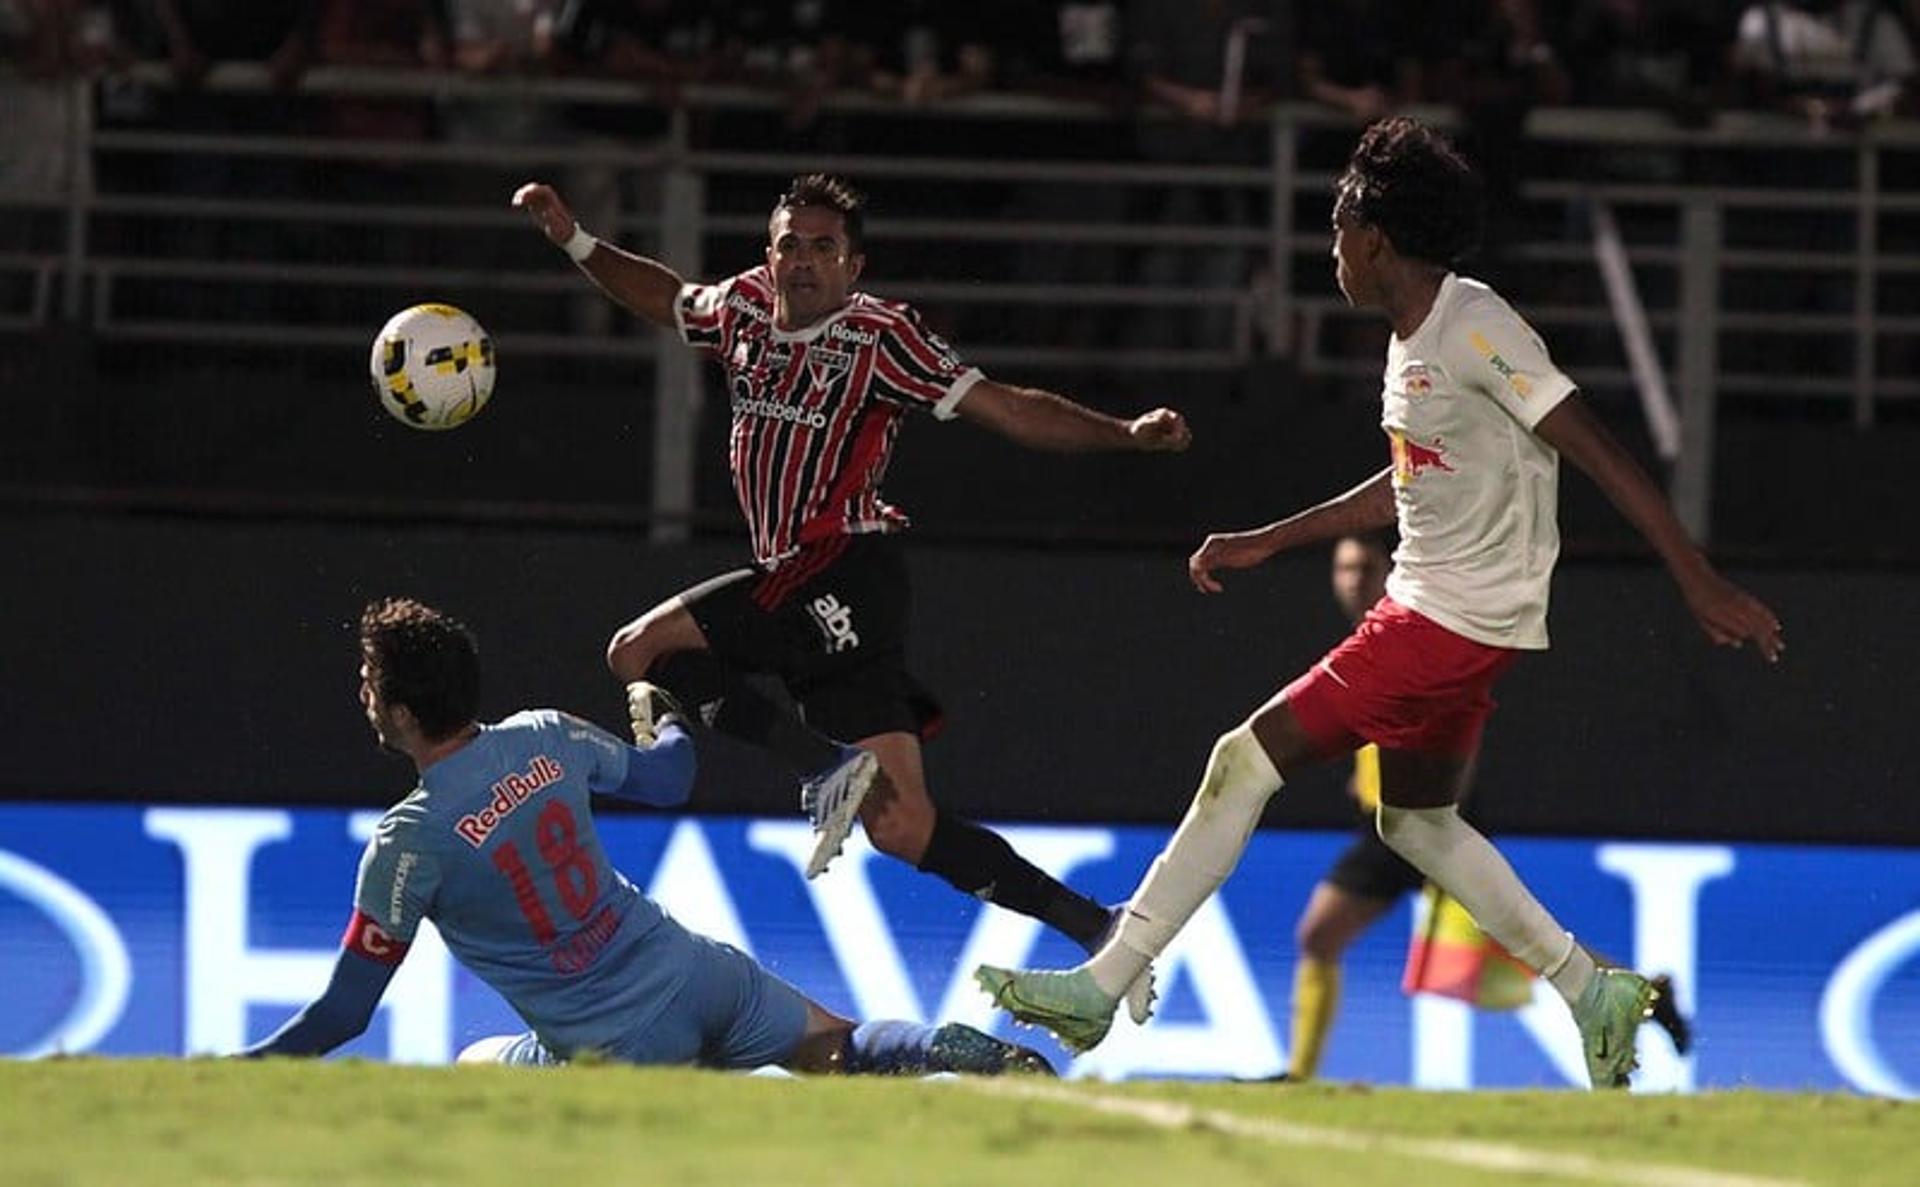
x=902, y=827
x=1412, y=832
x=1239, y=775
x=1315, y=936
x=492, y=1049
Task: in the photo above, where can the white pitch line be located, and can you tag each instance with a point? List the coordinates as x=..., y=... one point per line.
x=1476, y=1155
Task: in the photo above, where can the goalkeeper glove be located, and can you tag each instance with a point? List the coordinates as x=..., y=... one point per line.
x=650, y=708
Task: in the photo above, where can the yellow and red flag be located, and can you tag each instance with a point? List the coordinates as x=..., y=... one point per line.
x=1450, y=955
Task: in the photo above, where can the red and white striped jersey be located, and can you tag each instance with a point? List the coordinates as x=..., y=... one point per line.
x=816, y=411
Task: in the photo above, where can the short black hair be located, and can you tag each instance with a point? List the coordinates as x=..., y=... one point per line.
x=1409, y=180
x=832, y=192
x=423, y=659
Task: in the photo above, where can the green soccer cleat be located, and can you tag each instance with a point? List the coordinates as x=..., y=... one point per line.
x=1609, y=1013
x=957, y=1047
x=1069, y=1004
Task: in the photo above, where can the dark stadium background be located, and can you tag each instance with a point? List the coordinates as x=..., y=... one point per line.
x=190, y=528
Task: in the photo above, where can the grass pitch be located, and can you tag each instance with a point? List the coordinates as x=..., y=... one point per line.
x=215, y=1122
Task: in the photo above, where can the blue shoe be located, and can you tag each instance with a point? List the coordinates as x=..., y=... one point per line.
x=832, y=802
x=1609, y=1014
x=1070, y=1004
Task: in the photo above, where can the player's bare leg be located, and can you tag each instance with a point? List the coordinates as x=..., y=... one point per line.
x=666, y=646
x=902, y=821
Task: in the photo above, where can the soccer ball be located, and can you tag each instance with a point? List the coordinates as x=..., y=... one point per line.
x=432, y=367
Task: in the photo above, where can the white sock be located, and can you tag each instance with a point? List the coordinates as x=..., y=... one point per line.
x=1465, y=864
x=1575, y=972
x=1238, y=782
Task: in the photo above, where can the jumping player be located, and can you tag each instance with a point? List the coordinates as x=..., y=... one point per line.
x=497, y=846
x=1477, y=417
x=820, y=377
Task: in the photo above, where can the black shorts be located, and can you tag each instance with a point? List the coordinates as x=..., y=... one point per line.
x=831, y=623
x=1371, y=869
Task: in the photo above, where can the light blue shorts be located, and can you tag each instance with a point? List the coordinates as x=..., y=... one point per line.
x=729, y=1013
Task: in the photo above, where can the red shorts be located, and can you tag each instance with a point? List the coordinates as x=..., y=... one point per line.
x=1402, y=681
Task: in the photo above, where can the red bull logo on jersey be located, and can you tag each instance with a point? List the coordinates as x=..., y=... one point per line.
x=516, y=789
x=1411, y=459
x=1416, y=382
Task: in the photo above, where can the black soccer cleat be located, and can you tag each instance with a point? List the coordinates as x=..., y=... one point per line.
x=1666, y=1015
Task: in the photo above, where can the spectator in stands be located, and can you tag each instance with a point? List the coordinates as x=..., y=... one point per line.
x=1643, y=53
x=389, y=33
x=393, y=34
x=49, y=42
x=199, y=33
x=1068, y=49
x=501, y=36
x=1213, y=67
x=802, y=48
x=928, y=51
x=665, y=44
x=1494, y=66
x=1359, y=57
x=496, y=37
x=1074, y=50
x=1835, y=61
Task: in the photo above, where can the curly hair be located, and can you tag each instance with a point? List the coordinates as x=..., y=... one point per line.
x=1409, y=181
x=418, y=657
x=831, y=192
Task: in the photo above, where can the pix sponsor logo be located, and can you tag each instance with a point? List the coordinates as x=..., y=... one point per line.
x=835, y=620
x=516, y=789
x=1521, y=385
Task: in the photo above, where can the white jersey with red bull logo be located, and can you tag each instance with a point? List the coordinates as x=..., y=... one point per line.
x=1475, y=491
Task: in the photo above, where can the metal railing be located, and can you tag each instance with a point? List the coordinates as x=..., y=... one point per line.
x=1233, y=287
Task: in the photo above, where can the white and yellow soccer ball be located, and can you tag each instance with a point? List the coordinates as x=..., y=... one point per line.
x=432, y=367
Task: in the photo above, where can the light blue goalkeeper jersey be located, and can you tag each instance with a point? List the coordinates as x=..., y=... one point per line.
x=498, y=847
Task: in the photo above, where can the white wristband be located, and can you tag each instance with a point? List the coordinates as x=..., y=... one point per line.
x=579, y=245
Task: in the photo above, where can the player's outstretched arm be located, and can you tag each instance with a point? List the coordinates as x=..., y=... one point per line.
x=1366, y=508
x=646, y=287
x=337, y=1016
x=661, y=773
x=1729, y=615
x=1040, y=419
